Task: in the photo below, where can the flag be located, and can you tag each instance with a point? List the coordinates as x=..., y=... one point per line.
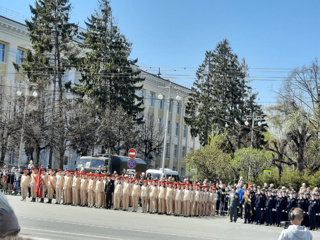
x=38, y=186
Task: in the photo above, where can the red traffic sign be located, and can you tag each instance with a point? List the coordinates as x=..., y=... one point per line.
x=132, y=153
x=131, y=163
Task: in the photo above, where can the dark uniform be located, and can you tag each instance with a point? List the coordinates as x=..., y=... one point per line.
x=270, y=205
x=312, y=211
x=109, y=189
x=280, y=207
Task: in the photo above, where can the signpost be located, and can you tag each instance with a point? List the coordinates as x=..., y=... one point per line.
x=132, y=153
x=131, y=163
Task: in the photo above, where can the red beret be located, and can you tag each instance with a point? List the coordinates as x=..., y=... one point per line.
x=145, y=181
x=34, y=168
x=25, y=170
x=59, y=170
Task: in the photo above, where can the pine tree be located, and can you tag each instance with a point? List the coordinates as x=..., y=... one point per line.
x=51, y=36
x=220, y=98
x=107, y=76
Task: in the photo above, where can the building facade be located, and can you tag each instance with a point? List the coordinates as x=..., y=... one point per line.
x=14, y=41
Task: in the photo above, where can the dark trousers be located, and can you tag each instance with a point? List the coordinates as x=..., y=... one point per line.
x=109, y=200
x=233, y=214
x=313, y=219
x=269, y=216
x=240, y=210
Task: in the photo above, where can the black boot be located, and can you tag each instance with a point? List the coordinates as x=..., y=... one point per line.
x=42, y=200
x=33, y=200
x=49, y=201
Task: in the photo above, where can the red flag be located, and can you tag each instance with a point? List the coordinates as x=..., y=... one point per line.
x=38, y=186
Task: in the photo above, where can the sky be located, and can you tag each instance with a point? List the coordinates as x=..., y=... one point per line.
x=273, y=37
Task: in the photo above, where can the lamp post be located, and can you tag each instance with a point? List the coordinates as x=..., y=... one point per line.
x=19, y=93
x=253, y=118
x=160, y=97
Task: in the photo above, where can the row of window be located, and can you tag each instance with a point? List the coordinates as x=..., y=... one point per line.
x=152, y=101
x=175, y=152
x=19, y=57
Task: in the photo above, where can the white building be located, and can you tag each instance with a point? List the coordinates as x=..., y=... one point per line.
x=14, y=42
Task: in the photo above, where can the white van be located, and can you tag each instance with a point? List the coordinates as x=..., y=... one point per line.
x=157, y=173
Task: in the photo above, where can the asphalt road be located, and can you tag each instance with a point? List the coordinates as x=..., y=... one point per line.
x=45, y=221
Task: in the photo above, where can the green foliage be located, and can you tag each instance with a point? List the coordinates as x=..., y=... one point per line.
x=108, y=77
x=265, y=178
x=212, y=162
x=294, y=177
x=250, y=162
x=314, y=180
x=221, y=95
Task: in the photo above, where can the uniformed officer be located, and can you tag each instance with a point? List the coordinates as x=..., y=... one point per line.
x=51, y=183
x=24, y=184
x=233, y=203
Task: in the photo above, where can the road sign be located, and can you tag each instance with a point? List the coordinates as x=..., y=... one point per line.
x=131, y=163
x=132, y=153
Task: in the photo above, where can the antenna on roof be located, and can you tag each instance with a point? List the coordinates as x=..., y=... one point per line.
x=159, y=73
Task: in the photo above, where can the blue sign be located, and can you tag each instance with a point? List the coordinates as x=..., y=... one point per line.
x=131, y=163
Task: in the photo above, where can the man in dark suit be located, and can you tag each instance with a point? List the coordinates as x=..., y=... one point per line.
x=109, y=189
x=233, y=203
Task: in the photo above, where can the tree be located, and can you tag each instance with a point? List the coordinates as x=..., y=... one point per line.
x=107, y=76
x=221, y=96
x=51, y=35
x=150, y=140
x=250, y=162
x=211, y=161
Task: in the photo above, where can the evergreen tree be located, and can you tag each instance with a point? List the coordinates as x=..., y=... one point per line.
x=107, y=76
x=221, y=98
x=51, y=36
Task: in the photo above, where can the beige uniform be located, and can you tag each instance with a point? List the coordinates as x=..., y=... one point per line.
x=196, y=202
x=186, y=202
x=59, y=187
x=91, y=189
x=84, y=191
x=169, y=200
x=117, y=195
x=153, y=195
x=24, y=184
x=76, y=190
x=144, y=197
x=125, y=195
x=162, y=201
x=43, y=184
x=99, y=191
x=136, y=192
x=51, y=186
x=33, y=184
x=67, y=190
x=177, y=201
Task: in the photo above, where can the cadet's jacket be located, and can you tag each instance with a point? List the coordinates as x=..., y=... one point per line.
x=99, y=186
x=145, y=191
x=179, y=196
x=91, y=185
x=126, y=188
x=162, y=192
x=136, y=190
x=67, y=182
x=169, y=193
x=84, y=184
x=187, y=195
x=76, y=182
x=59, y=181
x=118, y=189
x=34, y=177
x=25, y=181
x=153, y=192
x=51, y=182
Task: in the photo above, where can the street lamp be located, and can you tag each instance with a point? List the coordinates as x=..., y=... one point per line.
x=19, y=93
x=160, y=97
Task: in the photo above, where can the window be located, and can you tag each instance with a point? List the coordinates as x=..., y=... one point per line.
x=2, y=52
x=178, y=108
x=168, y=150
x=183, y=152
x=184, y=131
x=161, y=103
x=177, y=129
x=169, y=127
x=20, y=56
x=170, y=105
x=175, y=153
x=151, y=99
x=160, y=124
